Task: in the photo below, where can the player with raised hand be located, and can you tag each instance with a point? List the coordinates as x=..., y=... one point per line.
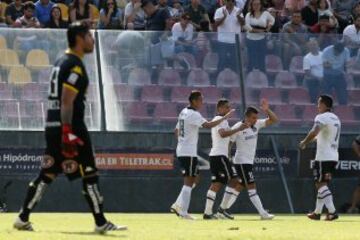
x=246, y=143
x=68, y=145
x=222, y=172
x=326, y=132
x=187, y=134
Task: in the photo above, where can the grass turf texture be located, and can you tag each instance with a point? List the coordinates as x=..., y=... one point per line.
x=79, y=226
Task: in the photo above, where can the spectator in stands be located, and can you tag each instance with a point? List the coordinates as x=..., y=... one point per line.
x=293, y=6
x=182, y=33
x=342, y=11
x=278, y=19
x=14, y=11
x=164, y=4
x=56, y=18
x=197, y=13
x=179, y=9
x=324, y=9
x=110, y=16
x=355, y=11
x=294, y=37
x=28, y=20
x=42, y=11
x=325, y=32
x=134, y=16
x=310, y=14
x=335, y=58
x=314, y=71
x=258, y=22
x=158, y=19
x=228, y=21
x=352, y=36
x=80, y=10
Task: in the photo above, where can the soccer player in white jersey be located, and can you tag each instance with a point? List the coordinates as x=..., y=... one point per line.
x=187, y=133
x=246, y=143
x=221, y=168
x=326, y=131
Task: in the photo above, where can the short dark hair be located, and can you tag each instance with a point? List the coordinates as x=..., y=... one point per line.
x=145, y=2
x=222, y=102
x=194, y=95
x=76, y=29
x=250, y=110
x=327, y=100
x=296, y=12
x=28, y=5
x=356, y=17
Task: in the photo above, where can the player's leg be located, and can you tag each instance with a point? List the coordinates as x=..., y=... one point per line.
x=255, y=200
x=219, y=177
x=190, y=172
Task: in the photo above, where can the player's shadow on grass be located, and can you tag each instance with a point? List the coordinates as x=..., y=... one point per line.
x=95, y=234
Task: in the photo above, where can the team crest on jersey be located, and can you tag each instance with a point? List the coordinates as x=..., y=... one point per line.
x=73, y=78
x=47, y=162
x=69, y=166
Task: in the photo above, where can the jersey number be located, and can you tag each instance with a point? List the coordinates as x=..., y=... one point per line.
x=337, y=131
x=53, y=90
x=182, y=128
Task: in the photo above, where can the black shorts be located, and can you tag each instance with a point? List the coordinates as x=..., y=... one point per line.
x=221, y=169
x=245, y=173
x=323, y=170
x=55, y=163
x=189, y=166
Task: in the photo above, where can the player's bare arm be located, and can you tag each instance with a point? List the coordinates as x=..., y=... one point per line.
x=272, y=118
x=217, y=122
x=227, y=133
x=67, y=104
x=356, y=147
x=310, y=137
x=176, y=132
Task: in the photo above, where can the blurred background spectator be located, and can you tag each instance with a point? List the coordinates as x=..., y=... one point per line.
x=110, y=16
x=14, y=11
x=134, y=16
x=56, y=20
x=42, y=11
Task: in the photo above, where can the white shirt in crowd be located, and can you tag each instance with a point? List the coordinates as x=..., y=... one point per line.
x=314, y=63
x=230, y=26
x=246, y=142
x=240, y=4
x=188, y=125
x=351, y=33
x=220, y=145
x=328, y=138
x=178, y=32
x=262, y=22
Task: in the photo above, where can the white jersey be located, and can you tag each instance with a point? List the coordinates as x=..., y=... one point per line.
x=328, y=138
x=188, y=125
x=246, y=142
x=220, y=145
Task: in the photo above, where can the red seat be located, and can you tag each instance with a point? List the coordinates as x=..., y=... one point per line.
x=124, y=92
x=210, y=63
x=235, y=95
x=211, y=94
x=256, y=79
x=198, y=77
x=169, y=77
x=309, y=113
x=138, y=112
x=285, y=79
x=296, y=65
x=346, y=114
x=273, y=64
x=252, y=96
x=354, y=97
x=299, y=96
x=228, y=78
x=139, y=76
x=180, y=94
x=166, y=112
x=286, y=114
x=271, y=94
x=152, y=93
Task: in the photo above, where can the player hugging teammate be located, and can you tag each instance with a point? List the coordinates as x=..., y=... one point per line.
x=236, y=176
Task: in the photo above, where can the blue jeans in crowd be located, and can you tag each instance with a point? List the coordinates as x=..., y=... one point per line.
x=334, y=80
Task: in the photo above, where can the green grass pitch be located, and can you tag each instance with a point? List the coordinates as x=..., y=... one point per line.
x=79, y=226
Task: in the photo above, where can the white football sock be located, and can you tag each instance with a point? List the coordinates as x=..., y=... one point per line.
x=328, y=200
x=230, y=196
x=186, y=197
x=254, y=198
x=210, y=199
x=319, y=200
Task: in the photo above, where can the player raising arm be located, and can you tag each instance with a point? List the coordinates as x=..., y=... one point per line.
x=187, y=133
x=326, y=131
x=246, y=143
